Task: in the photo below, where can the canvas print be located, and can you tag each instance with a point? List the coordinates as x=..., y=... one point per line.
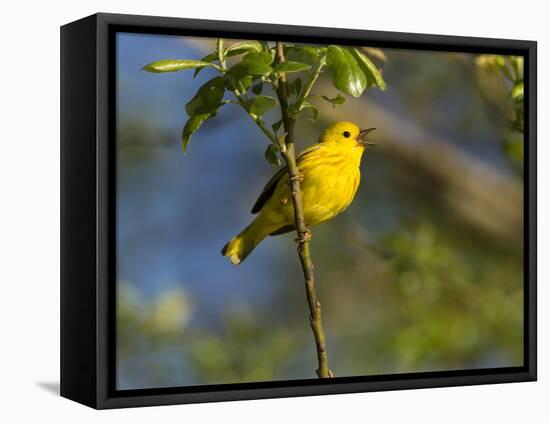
x=290, y=211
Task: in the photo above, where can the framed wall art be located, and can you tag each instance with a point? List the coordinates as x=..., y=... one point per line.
x=255, y=211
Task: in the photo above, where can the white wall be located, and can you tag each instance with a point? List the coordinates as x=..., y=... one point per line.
x=29, y=178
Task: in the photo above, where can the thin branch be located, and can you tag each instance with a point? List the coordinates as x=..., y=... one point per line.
x=304, y=235
x=243, y=101
x=241, y=96
x=221, y=56
x=288, y=151
x=310, y=82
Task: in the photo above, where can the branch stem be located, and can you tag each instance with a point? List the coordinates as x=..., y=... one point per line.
x=243, y=101
x=221, y=55
x=304, y=235
x=241, y=96
x=310, y=82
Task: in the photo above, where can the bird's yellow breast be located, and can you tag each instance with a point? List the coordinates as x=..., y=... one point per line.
x=331, y=177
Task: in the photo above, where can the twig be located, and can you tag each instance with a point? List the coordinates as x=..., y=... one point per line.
x=304, y=235
x=241, y=96
x=310, y=82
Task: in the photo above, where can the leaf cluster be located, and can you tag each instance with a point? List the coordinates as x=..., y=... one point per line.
x=510, y=70
x=250, y=72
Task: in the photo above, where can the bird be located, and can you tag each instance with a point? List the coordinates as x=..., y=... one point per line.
x=329, y=177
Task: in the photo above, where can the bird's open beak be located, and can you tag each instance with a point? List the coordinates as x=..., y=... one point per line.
x=362, y=135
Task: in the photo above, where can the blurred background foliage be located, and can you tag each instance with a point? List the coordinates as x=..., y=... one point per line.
x=423, y=272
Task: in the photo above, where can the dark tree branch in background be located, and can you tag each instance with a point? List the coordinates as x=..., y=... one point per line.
x=304, y=235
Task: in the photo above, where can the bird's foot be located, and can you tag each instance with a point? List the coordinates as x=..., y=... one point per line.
x=298, y=177
x=304, y=237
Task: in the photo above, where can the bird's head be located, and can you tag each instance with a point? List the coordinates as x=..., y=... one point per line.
x=346, y=134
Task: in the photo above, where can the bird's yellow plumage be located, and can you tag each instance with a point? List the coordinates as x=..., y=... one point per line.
x=331, y=177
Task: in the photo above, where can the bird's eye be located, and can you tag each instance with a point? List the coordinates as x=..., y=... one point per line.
x=346, y=134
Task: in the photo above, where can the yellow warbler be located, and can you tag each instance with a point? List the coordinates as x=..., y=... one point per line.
x=330, y=178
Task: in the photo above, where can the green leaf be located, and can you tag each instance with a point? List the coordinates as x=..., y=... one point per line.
x=264, y=57
x=293, y=111
x=208, y=98
x=277, y=125
x=347, y=75
x=242, y=84
x=289, y=89
x=290, y=66
x=516, y=93
x=169, y=65
x=314, y=111
x=261, y=104
x=271, y=155
x=252, y=64
x=257, y=89
x=246, y=81
x=302, y=54
x=192, y=125
x=297, y=86
x=374, y=77
x=336, y=100
x=244, y=47
x=243, y=68
x=209, y=58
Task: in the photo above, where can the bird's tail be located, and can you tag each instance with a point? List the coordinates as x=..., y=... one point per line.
x=243, y=244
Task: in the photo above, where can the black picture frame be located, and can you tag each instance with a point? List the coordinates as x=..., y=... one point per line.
x=88, y=204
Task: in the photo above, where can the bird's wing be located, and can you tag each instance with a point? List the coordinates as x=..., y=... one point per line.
x=284, y=230
x=269, y=188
